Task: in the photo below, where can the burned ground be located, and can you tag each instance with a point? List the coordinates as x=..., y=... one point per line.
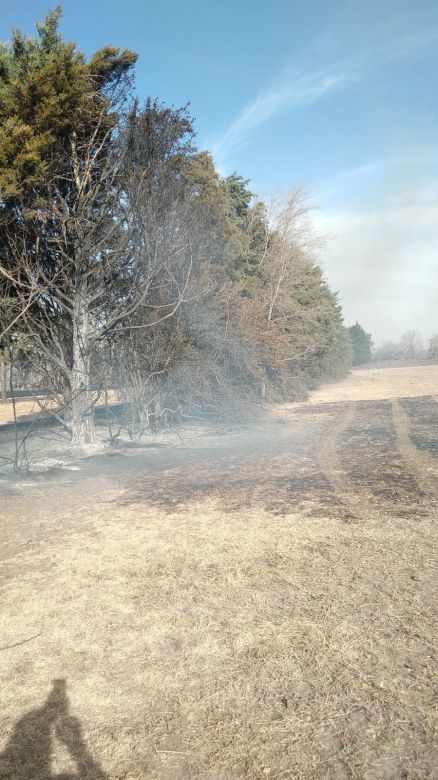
x=257, y=603
x=423, y=417
x=283, y=469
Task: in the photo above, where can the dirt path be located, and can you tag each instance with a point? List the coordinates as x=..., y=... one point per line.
x=254, y=604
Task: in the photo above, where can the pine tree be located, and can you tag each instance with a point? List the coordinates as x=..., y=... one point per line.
x=361, y=343
x=59, y=117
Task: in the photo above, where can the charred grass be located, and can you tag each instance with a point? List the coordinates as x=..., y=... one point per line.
x=217, y=618
x=372, y=459
x=423, y=416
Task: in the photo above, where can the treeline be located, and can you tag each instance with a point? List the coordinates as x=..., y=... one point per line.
x=127, y=261
x=410, y=347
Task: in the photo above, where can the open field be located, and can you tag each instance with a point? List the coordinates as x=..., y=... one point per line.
x=30, y=409
x=250, y=604
x=376, y=383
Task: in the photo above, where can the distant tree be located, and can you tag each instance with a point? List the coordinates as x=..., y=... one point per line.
x=411, y=345
x=361, y=343
x=389, y=350
x=432, y=352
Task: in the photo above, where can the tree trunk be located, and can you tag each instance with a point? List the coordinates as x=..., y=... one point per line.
x=3, y=380
x=82, y=411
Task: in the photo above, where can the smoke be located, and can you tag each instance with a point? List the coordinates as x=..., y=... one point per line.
x=382, y=258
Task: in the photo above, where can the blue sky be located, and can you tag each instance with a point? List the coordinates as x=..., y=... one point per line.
x=338, y=95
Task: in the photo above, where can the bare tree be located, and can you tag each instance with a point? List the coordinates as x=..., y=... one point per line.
x=291, y=247
x=411, y=345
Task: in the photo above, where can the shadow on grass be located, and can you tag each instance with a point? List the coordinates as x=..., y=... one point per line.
x=28, y=754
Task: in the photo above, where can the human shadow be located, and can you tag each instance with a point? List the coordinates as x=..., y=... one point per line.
x=28, y=754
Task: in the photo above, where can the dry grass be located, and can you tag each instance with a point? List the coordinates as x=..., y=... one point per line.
x=376, y=383
x=204, y=639
x=31, y=409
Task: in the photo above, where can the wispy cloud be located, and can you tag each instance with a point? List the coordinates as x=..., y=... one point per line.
x=300, y=86
x=417, y=158
x=291, y=89
x=408, y=44
x=410, y=177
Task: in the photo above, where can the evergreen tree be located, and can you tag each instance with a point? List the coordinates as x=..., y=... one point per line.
x=59, y=122
x=361, y=343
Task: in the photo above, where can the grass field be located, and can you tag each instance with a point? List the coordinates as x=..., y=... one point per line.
x=250, y=604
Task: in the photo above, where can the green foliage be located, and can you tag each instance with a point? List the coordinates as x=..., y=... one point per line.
x=248, y=221
x=239, y=198
x=48, y=92
x=316, y=333
x=361, y=343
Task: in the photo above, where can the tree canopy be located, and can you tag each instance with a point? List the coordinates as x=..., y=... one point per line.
x=127, y=260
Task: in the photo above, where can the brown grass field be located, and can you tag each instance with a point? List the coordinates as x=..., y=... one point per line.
x=247, y=604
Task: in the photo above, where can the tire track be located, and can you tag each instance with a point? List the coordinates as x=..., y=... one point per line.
x=424, y=469
x=327, y=448
x=353, y=496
